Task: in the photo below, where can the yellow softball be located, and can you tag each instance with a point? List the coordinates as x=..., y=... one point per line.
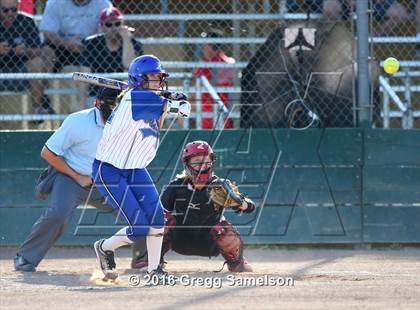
x=391, y=65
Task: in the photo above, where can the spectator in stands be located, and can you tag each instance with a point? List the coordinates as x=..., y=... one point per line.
x=109, y=51
x=66, y=23
x=218, y=77
x=21, y=51
x=389, y=13
x=69, y=152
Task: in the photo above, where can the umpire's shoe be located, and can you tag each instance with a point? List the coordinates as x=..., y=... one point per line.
x=21, y=264
x=106, y=260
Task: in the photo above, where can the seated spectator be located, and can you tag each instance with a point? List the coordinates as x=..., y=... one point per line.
x=66, y=23
x=389, y=13
x=21, y=51
x=218, y=77
x=109, y=51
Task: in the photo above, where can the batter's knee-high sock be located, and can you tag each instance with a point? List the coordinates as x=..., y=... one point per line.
x=118, y=240
x=154, y=246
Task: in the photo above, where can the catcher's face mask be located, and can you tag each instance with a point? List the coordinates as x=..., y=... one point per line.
x=200, y=168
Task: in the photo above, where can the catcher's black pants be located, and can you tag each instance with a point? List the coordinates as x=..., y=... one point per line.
x=182, y=242
x=185, y=241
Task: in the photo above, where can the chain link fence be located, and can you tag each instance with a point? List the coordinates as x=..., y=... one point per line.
x=265, y=63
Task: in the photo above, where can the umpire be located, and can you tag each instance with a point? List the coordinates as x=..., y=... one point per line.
x=69, y=152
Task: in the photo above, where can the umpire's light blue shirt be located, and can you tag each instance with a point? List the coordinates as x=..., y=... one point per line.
x=77, y=139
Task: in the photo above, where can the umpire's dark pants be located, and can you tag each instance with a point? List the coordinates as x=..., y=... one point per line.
x=66, y=195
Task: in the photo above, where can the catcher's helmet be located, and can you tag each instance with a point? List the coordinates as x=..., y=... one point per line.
x=198, y=148
x=142, y=65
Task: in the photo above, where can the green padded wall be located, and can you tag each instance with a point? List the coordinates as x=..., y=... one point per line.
x=312, y=186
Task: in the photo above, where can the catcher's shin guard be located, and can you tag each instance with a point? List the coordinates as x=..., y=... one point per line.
x=230, y=245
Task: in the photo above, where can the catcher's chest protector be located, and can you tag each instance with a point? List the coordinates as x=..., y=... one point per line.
x=194, y=207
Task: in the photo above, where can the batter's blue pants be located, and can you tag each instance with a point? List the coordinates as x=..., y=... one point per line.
x=132, y=193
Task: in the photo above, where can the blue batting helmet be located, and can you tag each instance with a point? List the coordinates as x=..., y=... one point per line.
x=146, y=64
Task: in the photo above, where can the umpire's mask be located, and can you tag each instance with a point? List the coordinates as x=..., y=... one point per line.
x=106, y=101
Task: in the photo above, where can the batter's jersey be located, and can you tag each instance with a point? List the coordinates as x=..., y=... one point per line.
x=131, y=134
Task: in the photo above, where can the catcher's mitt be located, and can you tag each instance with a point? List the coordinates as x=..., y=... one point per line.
x=225, y=194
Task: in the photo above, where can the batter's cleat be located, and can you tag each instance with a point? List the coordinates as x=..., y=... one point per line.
x=106, y=260
x=240, y=266
x=21, y=264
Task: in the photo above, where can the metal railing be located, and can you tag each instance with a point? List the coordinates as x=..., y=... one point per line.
x=25, y=117
x=405, y=107
x=219, y=109
x=202, y=86
x=390, y=91
x=188, y=17
x=182, y=18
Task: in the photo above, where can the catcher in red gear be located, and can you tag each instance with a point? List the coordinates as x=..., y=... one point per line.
x=194, y=204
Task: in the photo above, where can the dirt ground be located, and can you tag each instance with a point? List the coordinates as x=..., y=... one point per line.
x=322, y=279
